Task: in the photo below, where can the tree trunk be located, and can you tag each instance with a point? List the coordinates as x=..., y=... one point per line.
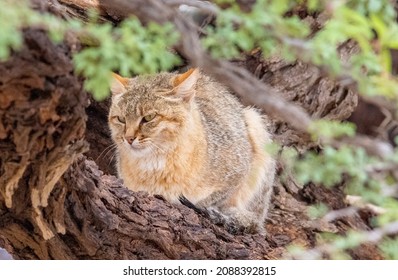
x=43, y=121
x=57, y=204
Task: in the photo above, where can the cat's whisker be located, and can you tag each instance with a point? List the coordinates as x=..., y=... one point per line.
x=156, y=146
x=152, y=148
x=106, y=150
x=110, y=150
x=163, y=151
x=111, y=159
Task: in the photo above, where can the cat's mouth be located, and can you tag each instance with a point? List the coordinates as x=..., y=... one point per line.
x=138, y=146
x=139, y=150
x=143, y=146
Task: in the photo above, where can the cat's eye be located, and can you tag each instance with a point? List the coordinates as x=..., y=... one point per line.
x=148, y=118
x=120, y=119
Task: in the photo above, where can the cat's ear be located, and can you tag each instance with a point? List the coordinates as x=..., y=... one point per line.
x=118, y=84
x=184, y=84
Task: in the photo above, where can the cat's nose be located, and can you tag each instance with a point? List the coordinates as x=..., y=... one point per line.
x=130, y=139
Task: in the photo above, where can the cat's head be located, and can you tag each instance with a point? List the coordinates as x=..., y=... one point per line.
x=149, y=113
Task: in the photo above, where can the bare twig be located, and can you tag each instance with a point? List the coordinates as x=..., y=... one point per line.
x=204, y=6
x=85, y=4
x=374, y=147
x=373, y=236
x=358, y=201
x=356, y=204
x=340, y=213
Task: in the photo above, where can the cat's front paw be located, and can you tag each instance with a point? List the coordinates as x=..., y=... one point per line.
x=235, y=221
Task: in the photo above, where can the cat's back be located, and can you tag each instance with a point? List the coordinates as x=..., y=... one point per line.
x=225, y=127
x=214, y=99
x=221, y=112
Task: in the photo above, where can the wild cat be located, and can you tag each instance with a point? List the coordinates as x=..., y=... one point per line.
x=187, y=138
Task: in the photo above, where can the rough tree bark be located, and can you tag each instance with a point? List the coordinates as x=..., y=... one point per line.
x=57, y=204
x=43, y=120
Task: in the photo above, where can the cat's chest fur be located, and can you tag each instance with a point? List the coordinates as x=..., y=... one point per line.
x=161, y=175
x=152, y=164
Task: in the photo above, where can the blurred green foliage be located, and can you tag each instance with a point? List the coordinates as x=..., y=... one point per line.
x=130, y=47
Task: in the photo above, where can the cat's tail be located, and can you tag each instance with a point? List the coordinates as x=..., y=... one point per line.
x=231, y=224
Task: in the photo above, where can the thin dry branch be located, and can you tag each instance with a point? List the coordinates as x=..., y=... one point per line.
x=373, y=237
x=204, y=6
